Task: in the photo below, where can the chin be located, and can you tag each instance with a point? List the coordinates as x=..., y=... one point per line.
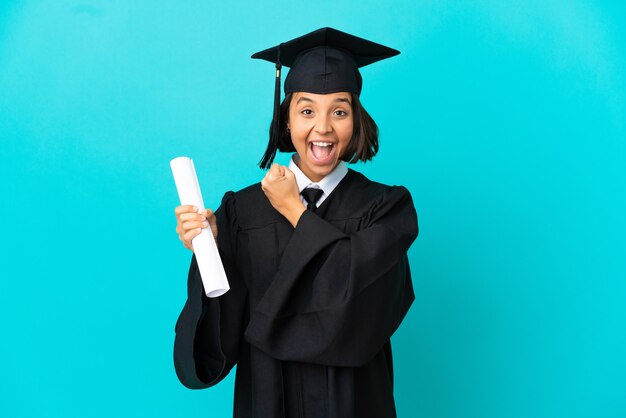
x=323, y=171
x=318, y=171
x=322, y=168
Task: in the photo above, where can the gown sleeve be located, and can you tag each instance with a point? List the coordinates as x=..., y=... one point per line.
x=209, y=330
x=337, y=298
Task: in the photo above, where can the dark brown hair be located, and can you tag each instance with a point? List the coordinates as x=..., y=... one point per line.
x=363, y=145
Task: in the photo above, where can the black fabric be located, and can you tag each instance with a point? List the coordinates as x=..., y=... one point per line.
x=311, y=309
x=311, y=195
x=326, y=60
x=324, y=70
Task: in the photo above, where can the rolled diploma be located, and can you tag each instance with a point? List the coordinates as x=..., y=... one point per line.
x=209, y=262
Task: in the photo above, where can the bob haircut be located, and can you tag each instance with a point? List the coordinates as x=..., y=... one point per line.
x=363, y=145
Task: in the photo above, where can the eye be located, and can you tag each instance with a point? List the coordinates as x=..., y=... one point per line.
x=341, y=113
x=307, y=112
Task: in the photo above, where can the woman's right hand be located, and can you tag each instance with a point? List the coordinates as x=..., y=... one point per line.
x=190, y=223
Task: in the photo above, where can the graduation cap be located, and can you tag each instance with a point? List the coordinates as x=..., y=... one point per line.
x=322, y=62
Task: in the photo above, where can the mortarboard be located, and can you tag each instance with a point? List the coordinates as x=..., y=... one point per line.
x=322, y=62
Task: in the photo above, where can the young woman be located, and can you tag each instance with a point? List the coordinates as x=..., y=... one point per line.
x=316, y=254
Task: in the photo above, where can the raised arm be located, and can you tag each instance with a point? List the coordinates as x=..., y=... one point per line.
x=337, y=298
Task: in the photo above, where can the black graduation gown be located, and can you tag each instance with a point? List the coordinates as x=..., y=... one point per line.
x=310, y=310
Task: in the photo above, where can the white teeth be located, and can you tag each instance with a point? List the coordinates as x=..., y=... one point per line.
x=322, y=144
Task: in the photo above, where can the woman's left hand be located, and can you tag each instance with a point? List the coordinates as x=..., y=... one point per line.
x=281, y=188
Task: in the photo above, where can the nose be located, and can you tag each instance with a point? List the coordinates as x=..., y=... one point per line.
x=323, y=124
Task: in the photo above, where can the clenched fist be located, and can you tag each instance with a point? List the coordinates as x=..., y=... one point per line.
x=281, y=188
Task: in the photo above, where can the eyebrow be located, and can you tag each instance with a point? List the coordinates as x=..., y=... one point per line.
x=339, y=99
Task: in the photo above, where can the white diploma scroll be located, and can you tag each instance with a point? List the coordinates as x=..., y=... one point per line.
x=209, y=262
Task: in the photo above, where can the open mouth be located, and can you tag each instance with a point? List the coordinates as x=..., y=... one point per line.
x=322, y=151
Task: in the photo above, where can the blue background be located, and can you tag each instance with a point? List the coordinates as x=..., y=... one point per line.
x=505, y=119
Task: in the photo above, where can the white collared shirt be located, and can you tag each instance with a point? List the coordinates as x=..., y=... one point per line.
x=327, y=184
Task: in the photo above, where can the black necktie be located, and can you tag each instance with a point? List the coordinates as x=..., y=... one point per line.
x=311, y=196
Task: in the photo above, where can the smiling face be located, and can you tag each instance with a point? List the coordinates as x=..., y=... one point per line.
x=321, y=128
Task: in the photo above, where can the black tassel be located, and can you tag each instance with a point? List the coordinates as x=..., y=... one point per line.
x=272, y=146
